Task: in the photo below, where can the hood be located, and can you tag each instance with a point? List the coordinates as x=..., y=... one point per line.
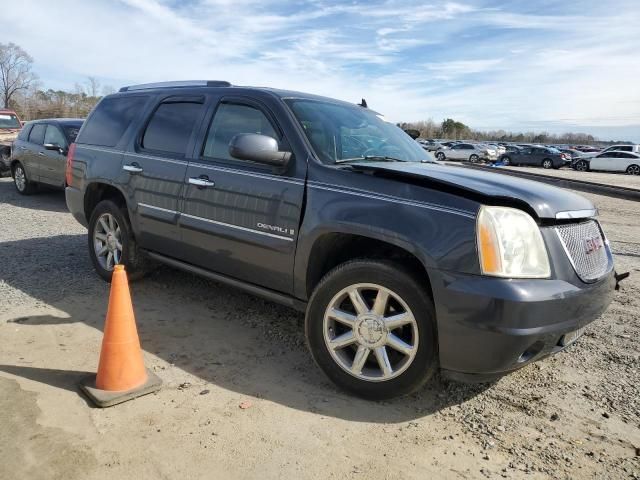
x=546, y=201
x=8, y=134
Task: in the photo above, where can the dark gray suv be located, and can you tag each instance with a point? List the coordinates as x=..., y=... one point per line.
x=402, y=265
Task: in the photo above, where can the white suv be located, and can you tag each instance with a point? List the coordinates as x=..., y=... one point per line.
x=467, y=151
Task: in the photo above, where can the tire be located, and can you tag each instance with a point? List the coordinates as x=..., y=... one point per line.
x=441, y=156
x=410, y=369
x=582, y=166
x=129, y=254
x=474, y=158
x=506, y=161
x=547, y=163
x=21, y=181
x=633, y=170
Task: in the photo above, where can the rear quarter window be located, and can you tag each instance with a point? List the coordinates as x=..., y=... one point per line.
x=110, y=120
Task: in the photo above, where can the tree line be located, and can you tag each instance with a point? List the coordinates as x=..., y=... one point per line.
x=453, y=130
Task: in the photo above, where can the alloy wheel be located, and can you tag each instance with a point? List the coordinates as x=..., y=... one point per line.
x=107, y=242
x=581, y=166
x=370, y=332
x=547, y=164
x=633, y=170
x=20, y=178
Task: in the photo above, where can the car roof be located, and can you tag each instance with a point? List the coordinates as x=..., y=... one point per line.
x=217, y=85
x=621, y=151
x=60, y=121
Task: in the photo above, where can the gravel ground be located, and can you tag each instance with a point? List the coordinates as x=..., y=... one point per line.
x=242, y=398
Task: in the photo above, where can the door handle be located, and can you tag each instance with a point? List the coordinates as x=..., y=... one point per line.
x=201, y=182
x=133, y=168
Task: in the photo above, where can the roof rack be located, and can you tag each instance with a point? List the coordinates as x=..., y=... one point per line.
x=177, y=84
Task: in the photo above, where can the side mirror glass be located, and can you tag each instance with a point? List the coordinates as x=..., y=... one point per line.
x=258, y=148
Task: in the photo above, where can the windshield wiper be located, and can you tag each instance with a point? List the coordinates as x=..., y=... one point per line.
x=375, y=158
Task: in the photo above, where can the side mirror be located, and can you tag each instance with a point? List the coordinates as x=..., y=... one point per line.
x=53, y=146
x=258, y=148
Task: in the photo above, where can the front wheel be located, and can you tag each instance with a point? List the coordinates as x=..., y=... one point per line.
x=473, y=158
x=633, y=170
x=23, y=185
x=440, y=156
x=547, y=163
x=506, y=161
x=370, y=326
x=111, y=241
x=582, y=166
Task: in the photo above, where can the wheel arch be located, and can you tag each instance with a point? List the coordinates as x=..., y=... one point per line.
x=334, y=248
x=98, y=191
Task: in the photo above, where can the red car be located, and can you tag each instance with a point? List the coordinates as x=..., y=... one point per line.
x=10, y=126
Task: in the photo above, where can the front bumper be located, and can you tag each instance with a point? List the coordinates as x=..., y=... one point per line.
x=488, y=327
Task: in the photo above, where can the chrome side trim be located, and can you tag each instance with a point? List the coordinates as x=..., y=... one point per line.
x=366, y=194
x=238, y=227
x=156, y=208
x=265, y=176
x=569, y=214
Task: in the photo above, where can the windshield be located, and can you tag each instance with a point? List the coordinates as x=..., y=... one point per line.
x=9, y=120
x=340, y=133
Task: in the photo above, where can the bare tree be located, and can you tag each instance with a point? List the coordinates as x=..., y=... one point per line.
x=93, y=87
x=15, y=71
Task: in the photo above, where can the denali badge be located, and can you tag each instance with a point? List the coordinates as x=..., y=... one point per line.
x=592, y=244
x=275, y=228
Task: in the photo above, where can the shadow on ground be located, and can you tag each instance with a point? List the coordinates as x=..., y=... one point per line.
x=216, y=333
x=44, y=198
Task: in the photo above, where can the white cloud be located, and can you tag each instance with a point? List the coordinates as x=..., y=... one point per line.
x=410, y=62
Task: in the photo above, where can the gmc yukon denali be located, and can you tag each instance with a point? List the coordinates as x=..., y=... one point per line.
x=403, y=266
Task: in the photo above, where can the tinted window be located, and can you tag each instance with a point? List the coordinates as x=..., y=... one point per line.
x=55, y=136
x=625, y=148
x=24, y=133
x=71, y=132
x=626, y=155
x=110, y=120
x=170, y=127
x=231, y=119
x=37, y=133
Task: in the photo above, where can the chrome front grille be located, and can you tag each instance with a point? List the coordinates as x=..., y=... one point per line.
x=586, y=248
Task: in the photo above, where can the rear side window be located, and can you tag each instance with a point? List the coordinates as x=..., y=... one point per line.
x=170, y=127
x=110, y=120
x=37, y=133
x=231, y=119
x=24, y=133
x=625, y=148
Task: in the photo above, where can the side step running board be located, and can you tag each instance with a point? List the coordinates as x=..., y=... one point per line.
x=265, y=293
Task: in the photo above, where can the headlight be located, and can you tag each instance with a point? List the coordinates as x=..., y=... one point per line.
x=510, y=244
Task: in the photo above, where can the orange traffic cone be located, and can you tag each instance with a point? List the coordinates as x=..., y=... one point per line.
x=121, y=372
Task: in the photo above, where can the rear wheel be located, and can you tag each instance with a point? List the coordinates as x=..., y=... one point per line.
x=582, y=166
x=633, y=170
x=23, y=185
x=474, y=158
x=547, y=163
x=370, y=327
x=111, y=241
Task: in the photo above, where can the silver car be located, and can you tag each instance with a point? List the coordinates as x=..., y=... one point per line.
x=469, y=152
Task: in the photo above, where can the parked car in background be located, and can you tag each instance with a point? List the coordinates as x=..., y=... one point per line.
x=10, y=126
x=39, y=153
x=573, y=154
x=467, y=151
x=587, y=149
x=509, y=152
x=611, y=161
x=430, y=145
x=537, y=157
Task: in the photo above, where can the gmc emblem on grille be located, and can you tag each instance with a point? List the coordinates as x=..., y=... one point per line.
x=592, y=244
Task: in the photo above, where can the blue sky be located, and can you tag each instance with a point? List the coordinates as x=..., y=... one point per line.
x=520, y=65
